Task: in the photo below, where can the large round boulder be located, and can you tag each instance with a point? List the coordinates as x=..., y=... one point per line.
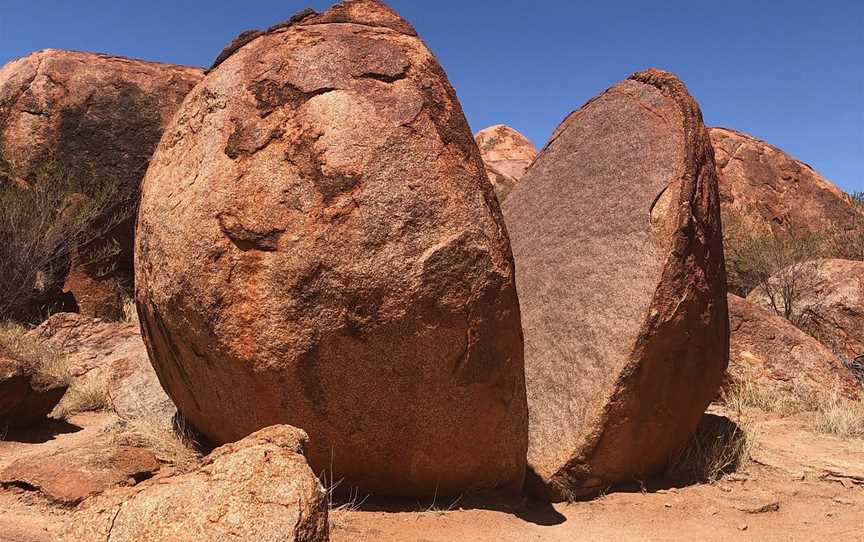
x=318, y=245
x=89, y=123
x=620, y=270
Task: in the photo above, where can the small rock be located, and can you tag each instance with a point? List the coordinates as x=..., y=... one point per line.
x=743, y=527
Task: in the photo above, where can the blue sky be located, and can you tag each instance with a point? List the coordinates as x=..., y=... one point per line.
x=790, y=72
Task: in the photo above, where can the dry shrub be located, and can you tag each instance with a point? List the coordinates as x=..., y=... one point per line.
x=719, y=446
x=38, y=356
x=42, y=221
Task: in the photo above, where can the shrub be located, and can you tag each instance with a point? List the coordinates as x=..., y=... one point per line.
x=42, y=221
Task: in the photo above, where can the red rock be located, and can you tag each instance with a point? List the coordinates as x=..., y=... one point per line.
x=768, y=351
x=318, y=245
x=26, y=396
x=830, y=306
x=616, y=235
x=257, y=489
x=97, y=118
x=507, y=155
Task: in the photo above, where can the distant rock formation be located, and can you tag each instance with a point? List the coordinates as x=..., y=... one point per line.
x=318, y=245
x=507, y=155
x=768, y=351
x=259, y=488
x=92, y=120
x=619, y=263
x=829, y=305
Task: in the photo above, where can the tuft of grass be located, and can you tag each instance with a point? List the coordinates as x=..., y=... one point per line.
x=85, y=395
x=171, y=441
x=719, y=446
x=130, y=312
x=840, y=416
x=38, y=356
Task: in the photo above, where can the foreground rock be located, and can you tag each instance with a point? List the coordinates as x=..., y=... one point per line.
x=762, y=189
x=507, y=155
x=26, y=395
x=94, y=119
x=768, y=351
x=334, y=258
x=616, y=235
x=257, y=489
x=829, y=305
x=108, y=356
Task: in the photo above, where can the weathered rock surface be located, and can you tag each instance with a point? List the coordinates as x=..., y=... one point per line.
x=616, y=235
x=762, y=189
x=257, y=489
x=110, y=355
x=507, y=155
x=831, y=307
x=26, y=396
x=318, y=245
x=97, y=119
x=770, y=352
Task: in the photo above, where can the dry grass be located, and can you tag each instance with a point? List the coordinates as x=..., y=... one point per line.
x=130, y=312
x=85, y=395
x=719, y=446
x=172, y=442
x=832, y=412
x=39, y=356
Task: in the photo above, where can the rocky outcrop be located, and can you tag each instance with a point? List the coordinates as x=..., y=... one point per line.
x=769, y=352
x=764, y=190
x=318, y=245
x=616, y=235
x=829, y=305
x=259, y=488
x=507, y=155
x=27, y=396
x=89, y=121
x=109, y=356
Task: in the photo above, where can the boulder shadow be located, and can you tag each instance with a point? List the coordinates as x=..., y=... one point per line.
x=42, y=433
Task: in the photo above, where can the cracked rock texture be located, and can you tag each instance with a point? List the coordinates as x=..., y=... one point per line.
x=507, y=155
x=619, y=258
x=257, y=490
x=830, y=305
x=96, y=118
x=770, y=352
x=318, y=245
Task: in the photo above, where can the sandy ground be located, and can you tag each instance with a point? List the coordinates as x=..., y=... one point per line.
x=798, y=485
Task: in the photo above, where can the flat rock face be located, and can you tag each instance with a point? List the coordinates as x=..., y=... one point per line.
x=763, y=188
x=26, y=398
x=507, y=155
x=831, y=307
x=616, y=235
x=318, y=245
x=96, y=117
x=769, y=351
x=110, y=355
x=257, y=489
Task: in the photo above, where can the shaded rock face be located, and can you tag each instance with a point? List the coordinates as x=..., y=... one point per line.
x=507, y=155
x=26, y=397
x=259, y=488
x=616, y=235
x=113, y=355
x=831, y=308
x=318, y=245
x=770, y=352
x=762, y=188
x=96, y=119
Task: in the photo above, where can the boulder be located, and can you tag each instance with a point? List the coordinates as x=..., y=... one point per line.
x=829, y=306
x=616, y=235
x=109, y=356
x=507, y=155
x=92, y=120
x=318, y=245
x=26, y=395
x=768, y=351
x=763, y=189
x=258, y=489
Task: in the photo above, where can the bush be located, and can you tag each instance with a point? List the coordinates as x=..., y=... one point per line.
x=42, y=221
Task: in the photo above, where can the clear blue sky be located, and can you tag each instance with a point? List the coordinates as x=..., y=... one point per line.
x=790, y=72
